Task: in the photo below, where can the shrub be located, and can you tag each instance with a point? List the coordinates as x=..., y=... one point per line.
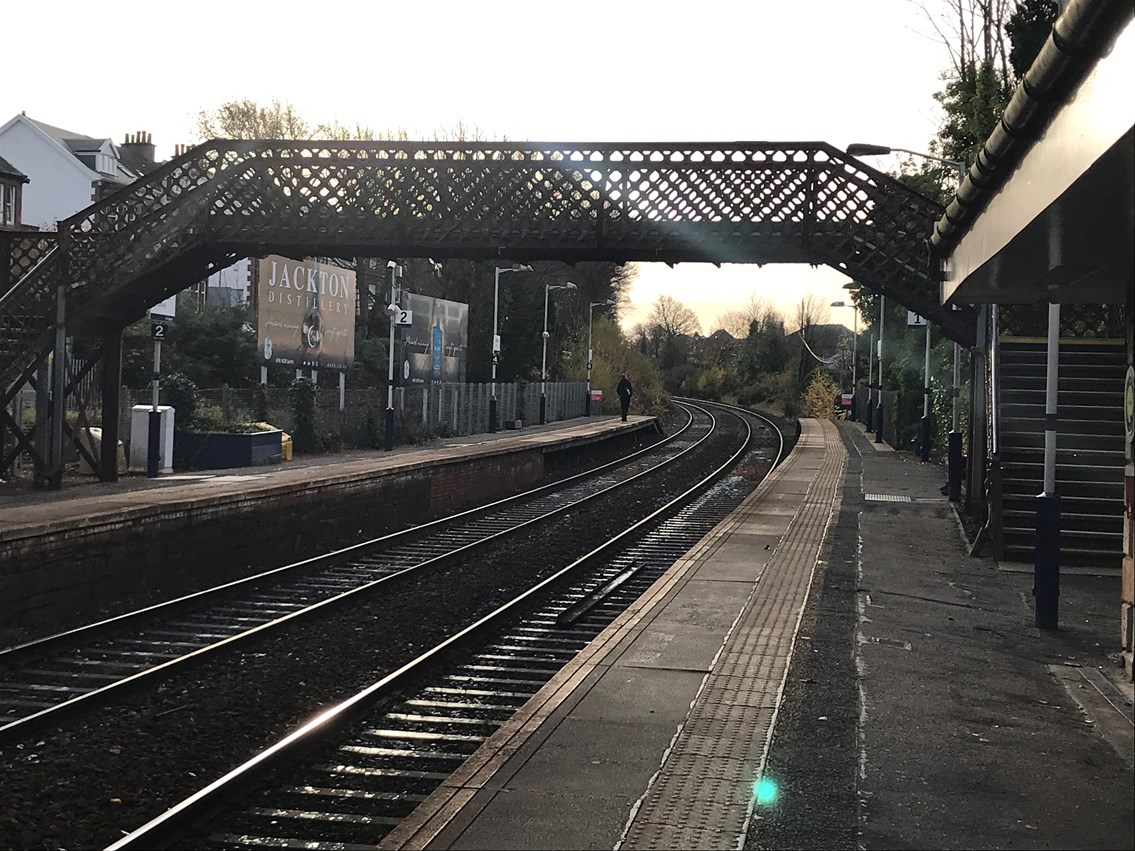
x=372, y=435
x=305, y=432
x=180, y=392
x=261, y=402
x=819, y=397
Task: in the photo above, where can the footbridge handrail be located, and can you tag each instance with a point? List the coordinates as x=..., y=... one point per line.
x=755, y=202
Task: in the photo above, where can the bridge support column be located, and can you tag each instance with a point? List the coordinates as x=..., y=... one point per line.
x=879, y=410
x=54, y=472
x=954, y=439
x=111, y=404
x=42, y=422
x=924, y=426
x=978, y=418
x=1046, y=575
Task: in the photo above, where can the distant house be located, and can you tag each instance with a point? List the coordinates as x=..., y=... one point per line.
x=12, y=182
x=67, y=171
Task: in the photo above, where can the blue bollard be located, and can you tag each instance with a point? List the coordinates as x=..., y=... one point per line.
x=954, y=466
x=1046, y=572
x=153, y=444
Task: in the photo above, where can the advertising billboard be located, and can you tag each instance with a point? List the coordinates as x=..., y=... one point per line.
x=306, y=314
x=434, y=347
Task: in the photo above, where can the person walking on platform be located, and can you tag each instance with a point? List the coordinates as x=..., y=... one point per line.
x=625, y=392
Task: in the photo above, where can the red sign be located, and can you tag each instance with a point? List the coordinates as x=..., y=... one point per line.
x=596, y=395
x=845, y=400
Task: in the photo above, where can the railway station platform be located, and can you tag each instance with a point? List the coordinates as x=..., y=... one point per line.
x=93, y=547
x=827, y=668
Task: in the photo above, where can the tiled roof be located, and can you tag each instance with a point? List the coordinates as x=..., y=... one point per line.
x=9, y=170
x=68, y=138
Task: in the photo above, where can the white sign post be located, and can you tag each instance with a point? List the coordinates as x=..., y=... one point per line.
x=161, y=315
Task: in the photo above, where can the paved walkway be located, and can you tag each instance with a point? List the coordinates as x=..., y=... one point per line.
x=833, y=637
x=654, y=735
x=977, y=729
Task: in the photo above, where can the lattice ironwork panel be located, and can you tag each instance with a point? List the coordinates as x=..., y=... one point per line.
x=739, y=202
x=21, y=251
x=1077, y=321
x=27, y=296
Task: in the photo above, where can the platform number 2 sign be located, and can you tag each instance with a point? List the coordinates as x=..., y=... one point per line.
x=158, y=330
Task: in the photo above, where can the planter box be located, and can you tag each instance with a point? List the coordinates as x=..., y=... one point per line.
x=219, y=451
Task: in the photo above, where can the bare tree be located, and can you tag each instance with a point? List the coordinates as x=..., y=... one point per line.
x=811, y=310
x=738, y=322
x=246, y=119
x=669, y=326
x=460, y=132
x=673, y=318
x=972, y=31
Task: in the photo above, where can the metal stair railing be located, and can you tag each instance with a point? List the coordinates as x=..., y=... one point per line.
x=27, y=314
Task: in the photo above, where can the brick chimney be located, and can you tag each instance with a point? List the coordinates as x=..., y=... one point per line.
x=139, y=147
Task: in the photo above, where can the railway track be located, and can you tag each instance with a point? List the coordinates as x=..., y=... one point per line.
x=43, y=681
x=349, y=776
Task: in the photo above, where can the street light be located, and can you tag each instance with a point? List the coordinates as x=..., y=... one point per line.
x=860, y=149
x=879, y=409
x=496, y=351
x=544, y=357
x=391, y=311
x=590, y=308
x=854, y=347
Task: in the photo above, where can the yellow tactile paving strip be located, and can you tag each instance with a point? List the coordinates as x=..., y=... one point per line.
x=701, y=796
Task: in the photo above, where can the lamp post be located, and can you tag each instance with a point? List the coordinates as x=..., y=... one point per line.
x=854, y=347
x=590, y=309
x=496, y=349
x=861, y=149
x=924, y=426
x=879, y=409
x=870, y=385
x=544, y=356
x=392, y=312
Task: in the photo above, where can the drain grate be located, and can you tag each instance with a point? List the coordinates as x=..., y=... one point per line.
x=885, y=497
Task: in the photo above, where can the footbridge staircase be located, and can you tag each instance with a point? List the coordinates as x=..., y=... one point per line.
x=1089, y=448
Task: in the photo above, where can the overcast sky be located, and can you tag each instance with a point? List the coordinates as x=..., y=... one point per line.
x=837, y=71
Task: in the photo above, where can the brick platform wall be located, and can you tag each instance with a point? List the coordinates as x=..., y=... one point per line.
x=55, y=580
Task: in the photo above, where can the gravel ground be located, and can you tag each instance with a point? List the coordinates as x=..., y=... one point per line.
x=90, y=781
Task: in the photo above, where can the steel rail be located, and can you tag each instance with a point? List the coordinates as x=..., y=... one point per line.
x=87, y=632
x=167, y=828
x=149, y=673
